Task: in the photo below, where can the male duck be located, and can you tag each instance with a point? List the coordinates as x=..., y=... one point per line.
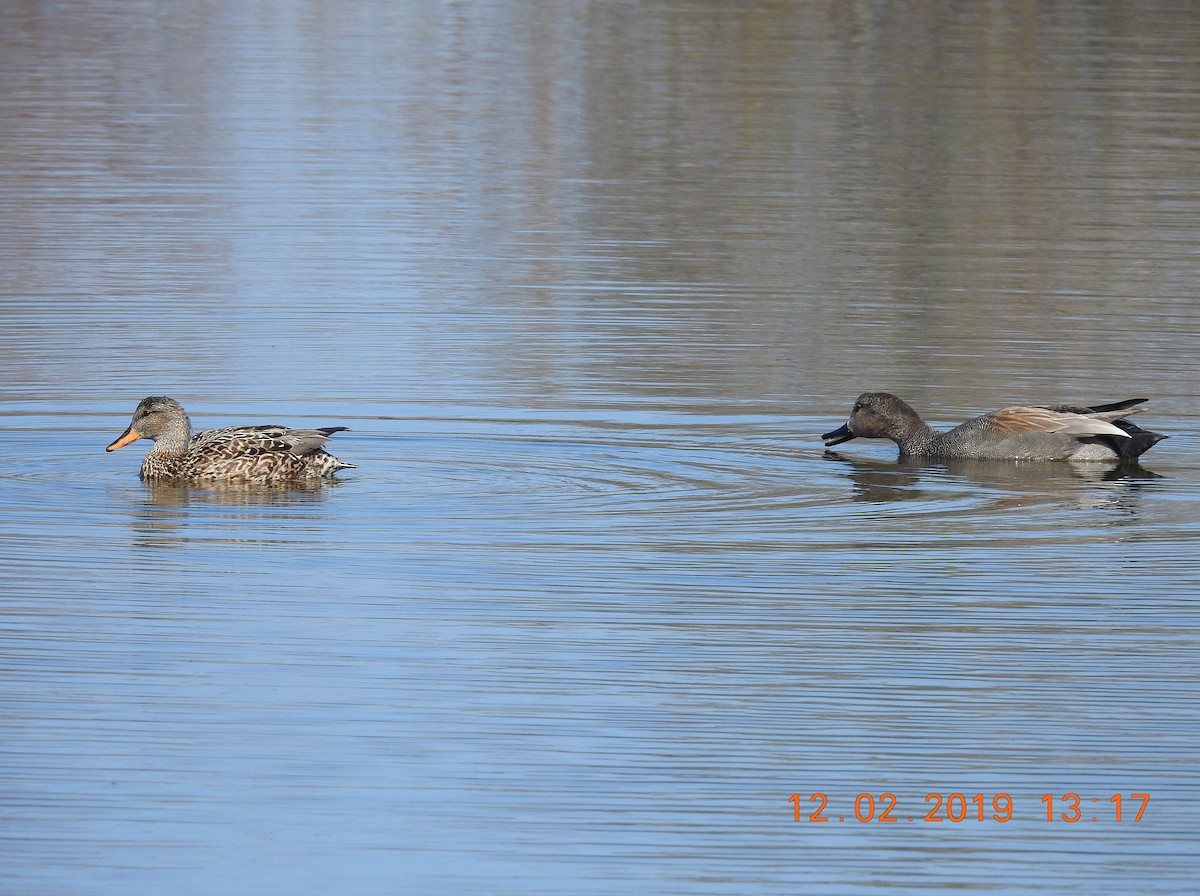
x=1016, y=433
x=236, y=454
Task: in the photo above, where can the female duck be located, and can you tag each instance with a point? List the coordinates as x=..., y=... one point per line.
x=1015, y=433
x=236, y=454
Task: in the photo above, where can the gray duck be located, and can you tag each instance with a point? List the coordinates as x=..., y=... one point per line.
x=1058, y=432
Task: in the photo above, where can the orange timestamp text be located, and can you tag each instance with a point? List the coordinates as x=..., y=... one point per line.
x=959, y=807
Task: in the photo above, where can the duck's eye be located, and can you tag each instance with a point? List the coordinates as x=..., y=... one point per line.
x=857, y=407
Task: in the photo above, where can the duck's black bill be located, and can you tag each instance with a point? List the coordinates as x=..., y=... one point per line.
x=839, y=435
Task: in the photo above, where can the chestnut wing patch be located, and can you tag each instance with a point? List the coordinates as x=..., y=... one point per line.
x=1030, y=419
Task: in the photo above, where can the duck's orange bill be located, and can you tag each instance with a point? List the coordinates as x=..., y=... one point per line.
x=129, y=435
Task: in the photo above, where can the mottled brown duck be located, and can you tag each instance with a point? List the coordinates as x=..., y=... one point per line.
x=235, y=454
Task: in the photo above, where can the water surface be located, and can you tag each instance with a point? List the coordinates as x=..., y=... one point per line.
x=586, y=282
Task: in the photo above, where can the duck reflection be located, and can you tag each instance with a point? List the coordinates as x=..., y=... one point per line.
x=909, y=479
x=162, y=514
x=178, y=495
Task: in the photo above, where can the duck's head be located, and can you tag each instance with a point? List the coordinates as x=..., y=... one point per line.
x=875, y=415
x=153, y=418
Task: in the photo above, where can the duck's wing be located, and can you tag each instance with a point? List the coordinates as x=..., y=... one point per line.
x=302, y=441
x=1033, y=419
x=259, y=440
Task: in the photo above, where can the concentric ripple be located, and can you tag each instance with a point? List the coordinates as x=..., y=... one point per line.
x=603, y=478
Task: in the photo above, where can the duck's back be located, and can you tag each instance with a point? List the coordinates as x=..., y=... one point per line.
x=262, y=454
x=1050, y=433
x=983, y=439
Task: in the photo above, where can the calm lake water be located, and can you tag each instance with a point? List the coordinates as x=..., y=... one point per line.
x=596, y=613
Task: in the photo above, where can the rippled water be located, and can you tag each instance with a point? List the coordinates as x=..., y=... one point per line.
x=586, y=282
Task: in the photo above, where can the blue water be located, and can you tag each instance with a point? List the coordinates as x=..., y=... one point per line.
x=586, y=283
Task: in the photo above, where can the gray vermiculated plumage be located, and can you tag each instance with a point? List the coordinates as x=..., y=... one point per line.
x=1063, y=432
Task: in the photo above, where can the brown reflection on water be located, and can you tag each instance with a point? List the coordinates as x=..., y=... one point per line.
x=783, y=195
x=658, y=200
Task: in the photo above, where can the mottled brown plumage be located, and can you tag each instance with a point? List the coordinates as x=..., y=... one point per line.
x=238, y=454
